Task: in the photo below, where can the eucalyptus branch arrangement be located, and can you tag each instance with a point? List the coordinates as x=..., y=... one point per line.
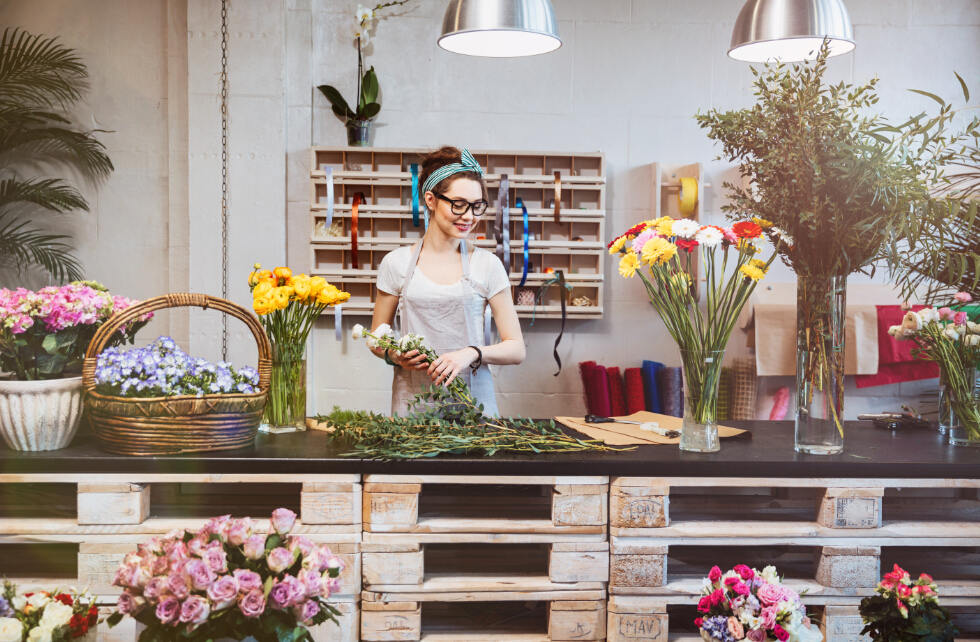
x=441, y=422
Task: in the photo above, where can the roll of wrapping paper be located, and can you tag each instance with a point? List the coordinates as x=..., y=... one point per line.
x=414, y=168
x=502, y=233
x=358, y=198
x=557, y=196
x=635, y=399
x=329, y=173
x=617, y=398
x=527, y=255
x=671, y=386
x=596, y=386
x=651, y=386
x=687, y=197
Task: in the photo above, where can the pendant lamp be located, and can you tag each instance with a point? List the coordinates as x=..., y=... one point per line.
x=790, y=30
x=499, y=28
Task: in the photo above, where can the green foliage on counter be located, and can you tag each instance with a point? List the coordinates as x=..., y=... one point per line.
x=440, y=423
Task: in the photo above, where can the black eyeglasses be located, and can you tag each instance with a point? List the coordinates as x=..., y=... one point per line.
x=459, y=206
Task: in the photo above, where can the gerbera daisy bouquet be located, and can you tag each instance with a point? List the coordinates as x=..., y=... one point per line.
x=664, y=253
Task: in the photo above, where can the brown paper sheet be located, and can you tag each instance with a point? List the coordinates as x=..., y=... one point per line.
x=630, y=434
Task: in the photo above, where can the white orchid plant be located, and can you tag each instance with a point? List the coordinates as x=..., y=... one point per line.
x=384, y=337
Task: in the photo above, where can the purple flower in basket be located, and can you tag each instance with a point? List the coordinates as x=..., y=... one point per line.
x=5, y=608
x=716, y=628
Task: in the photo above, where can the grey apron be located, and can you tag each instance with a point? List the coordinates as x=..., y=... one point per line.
x=450, y=317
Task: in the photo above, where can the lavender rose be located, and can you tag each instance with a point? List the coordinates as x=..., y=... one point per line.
x=247, y=580
x=286, y=592
x=255, y=547
x=252, y=604
x=216, y=558
x=312, y=584
x=306, y=611
x=304, y=544
x=239, y=531
x=199, y=574
x=168, y=610
x=130, y=604
x=195, y=611
x=197, y=544
x=223, y=592
x=179, y=585
x=283, y=520
x=155, y=588
x=280, y=559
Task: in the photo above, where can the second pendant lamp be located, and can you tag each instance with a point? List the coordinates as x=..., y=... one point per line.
x=790, y=30
x=499, y=28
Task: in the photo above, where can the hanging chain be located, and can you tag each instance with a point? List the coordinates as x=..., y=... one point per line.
x=224, y=174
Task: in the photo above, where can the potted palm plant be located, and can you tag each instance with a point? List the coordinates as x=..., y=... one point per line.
x=367, y=106
x=40, y=82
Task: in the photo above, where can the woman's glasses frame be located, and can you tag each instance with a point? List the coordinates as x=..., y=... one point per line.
x=463, y=205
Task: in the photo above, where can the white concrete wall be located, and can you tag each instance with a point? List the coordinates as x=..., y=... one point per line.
x=626, y=82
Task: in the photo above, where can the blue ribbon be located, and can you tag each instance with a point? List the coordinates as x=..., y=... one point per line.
x=338, y=322
x=415, y=193
x=520, y=204
x=328, y=171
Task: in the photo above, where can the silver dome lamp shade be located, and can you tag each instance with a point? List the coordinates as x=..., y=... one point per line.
x=499, y=28
x=790, y=30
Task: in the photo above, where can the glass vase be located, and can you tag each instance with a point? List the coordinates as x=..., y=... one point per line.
x=702, y=373
x=820, y=308
x=359, y=133
x=959, y=409
x=285, y=410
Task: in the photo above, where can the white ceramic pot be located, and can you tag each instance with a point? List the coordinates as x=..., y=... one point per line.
x=40, y=415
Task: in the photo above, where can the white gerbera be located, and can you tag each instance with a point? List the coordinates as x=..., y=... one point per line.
x=709, y=236
x=685, y=228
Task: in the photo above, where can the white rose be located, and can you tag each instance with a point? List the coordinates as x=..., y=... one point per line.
x=974, y=328
x=951, y=333
x=38, y=600
x=769, y=574
x=929, y=315
x=972, y=340
x=11, y=630
x=55, y=614
x=40, y=634
x=384, y=330
x=18, y=602
x=357, y=332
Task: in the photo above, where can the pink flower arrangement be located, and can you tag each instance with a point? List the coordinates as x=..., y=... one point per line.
x=228, y=580
x=43, y=334
x=902, y=608
x=746, y=604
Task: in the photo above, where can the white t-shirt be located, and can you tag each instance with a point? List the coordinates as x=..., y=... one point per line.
x=486, y=271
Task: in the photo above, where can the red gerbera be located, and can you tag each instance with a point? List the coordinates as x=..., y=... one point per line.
x=636, y=229
x=614, y=240
x=747, y=230
x=686, y=244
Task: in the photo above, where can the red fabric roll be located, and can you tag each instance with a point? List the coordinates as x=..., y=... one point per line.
x=596, y=386
x=635, y=400
x=585, y=368
x=895, y=360
x=617, y=400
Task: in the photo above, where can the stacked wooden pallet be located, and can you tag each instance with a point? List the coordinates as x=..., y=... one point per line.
x=481, y=558
x=98, y=519
x=567, y=236
x=828, y=536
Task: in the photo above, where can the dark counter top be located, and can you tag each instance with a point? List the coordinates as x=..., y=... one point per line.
x=868, y=452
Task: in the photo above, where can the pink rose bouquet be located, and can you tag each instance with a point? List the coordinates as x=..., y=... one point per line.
x=746, y=604
x=228, y=580
x=906, y=609
x=44, y=334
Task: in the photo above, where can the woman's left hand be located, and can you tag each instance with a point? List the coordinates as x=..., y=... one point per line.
x=446, y=368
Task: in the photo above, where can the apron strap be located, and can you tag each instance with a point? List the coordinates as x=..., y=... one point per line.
x=409, y=273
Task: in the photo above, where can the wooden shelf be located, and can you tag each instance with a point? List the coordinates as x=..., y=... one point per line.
x=575, y=244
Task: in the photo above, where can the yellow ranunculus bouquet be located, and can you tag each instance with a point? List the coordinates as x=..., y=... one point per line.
x=287, y=306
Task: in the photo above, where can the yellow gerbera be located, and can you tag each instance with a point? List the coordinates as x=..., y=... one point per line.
x=658, y=251
x=761, y=222
x=629, y=264
x=752, y=272
x=759, y=263
x=747, y=246
x=617, y=245
x=665, y=226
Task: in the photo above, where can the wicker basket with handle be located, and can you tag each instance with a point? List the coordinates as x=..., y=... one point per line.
x=178, y=424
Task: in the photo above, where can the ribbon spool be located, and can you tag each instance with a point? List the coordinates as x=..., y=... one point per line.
x=414, y=167
x=355, y=204
x=557, y=196
x=520, y=204
x=687, y=197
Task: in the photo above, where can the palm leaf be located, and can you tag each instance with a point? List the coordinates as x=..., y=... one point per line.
x=22, y=246
x=38, y=70
x=57, y=144
x=49, y=193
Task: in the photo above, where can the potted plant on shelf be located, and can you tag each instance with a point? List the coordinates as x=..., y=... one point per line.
x=662, y=253
x=358, y=121
x=43, y=336
x=40, y=82
x=838, y=183
x=287, y=306
x=906, y=610
x=58, y=616
x=229, y=581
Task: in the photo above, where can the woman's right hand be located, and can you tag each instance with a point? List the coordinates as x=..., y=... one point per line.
x=411, y=360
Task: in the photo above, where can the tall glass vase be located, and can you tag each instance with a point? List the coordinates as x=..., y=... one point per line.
x=285, y=410
x=702, y=373
x=820, y=308
x=959, y=406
